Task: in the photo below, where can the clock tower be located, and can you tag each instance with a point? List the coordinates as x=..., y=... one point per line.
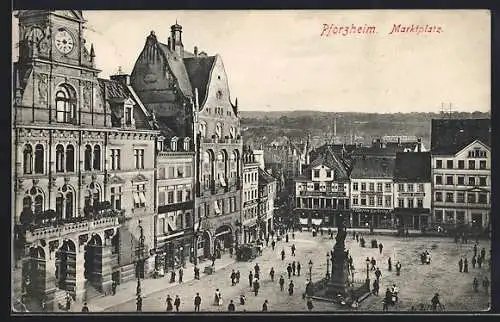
x=54, y=59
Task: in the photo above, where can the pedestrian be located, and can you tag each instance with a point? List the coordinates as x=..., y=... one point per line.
x=273, y=243
x=466, y=266
x=376, y=287
x=407, y=233
x=177, y=303
x=389, y=263
x=250, y=278
x=286, y=238
x=231, y=307
x=170, y=307
x=196, y=273
x=113, y=287
x=293, y=234
x=385, y=308
x=197, y=302
x=435, y=301
x=298, y=268
x=357, y=238
x=373, y=262
x=264, y=306
x=289, y=270
x=213, y=259
x=309, y=304
x=282, y=283
x=233, y=278
x=256, y=287
x=230, y=251
x=460, y=265
x=380, y=247
x=378, y=273
x=43, y=305
x=271, y=273
x=290, y=288
x=85, y=308
x=294, y=267
x=293, y=250
x=483, y=253
x=238, y=276
x=282, y=254
x=486, y=284
x=68, y=301
x=256, y=268
x=172, y=276
x=398, y=268
x=395, y=292
x=181, y=274
x=267, y=240
x=388, y=296
x=479, y=262
x=473, y=261
x=218, y=298
x=138, y=303
x=475, y=250
x=242, y=299
x=256, y=276
x=475, y=284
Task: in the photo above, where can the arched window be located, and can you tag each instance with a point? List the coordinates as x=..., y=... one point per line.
x=38, y=204
x=232, y=164
x=28, y=159
x=70, y=158
x=173, y=143
x=88, y=158
x=186, y=144
x=39, y=156
x=27, y=202
x=218, y=130
x=59, y=158
x=59, y=205
x=97, y=157
x=69, y=205
x=65, y=105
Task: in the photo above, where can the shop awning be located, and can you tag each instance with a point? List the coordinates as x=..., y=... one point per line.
x=317, y=222
x=303, y=221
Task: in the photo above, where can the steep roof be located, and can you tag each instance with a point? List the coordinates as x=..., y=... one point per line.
x=371, y=168
x=413, y=167
x=265, y=178
x=332, y=161
x=375, y=151
x=198, y=70
x=176, y=65
x=450, y=136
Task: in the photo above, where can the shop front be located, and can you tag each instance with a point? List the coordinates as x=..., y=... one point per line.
x=223, y=240
x=373, y=218
x=411, y=218
x=173, y=251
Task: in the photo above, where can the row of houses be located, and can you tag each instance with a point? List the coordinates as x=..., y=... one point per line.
x=125, y=177
x=386, y=187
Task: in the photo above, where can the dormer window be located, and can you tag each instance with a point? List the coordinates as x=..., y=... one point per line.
x=159, y=143
x=218, y=130
x=186, y=144
x=128, y=113
x=173, y=143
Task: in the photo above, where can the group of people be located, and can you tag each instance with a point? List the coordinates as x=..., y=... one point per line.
x=391, y=297
x=425, y=257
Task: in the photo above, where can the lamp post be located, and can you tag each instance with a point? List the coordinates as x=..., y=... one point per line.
x=310, y=270
x=328, y=266
x=367, y=272
x=140, y=259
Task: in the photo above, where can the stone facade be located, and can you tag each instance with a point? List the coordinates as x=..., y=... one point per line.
x=68, y=236
x=250, y=210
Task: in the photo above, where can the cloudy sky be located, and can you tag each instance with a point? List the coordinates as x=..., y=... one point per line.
x=279, y=60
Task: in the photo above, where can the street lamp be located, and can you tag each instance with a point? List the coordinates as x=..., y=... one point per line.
x=367, y=272
x=140, y=253
x=310, y=270
x=328, y=266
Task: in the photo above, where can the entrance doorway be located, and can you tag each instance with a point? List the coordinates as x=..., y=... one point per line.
x=93, y=261
x=34, y=273
x=66, y=267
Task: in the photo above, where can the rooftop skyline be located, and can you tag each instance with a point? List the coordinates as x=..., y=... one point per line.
x=279, y=60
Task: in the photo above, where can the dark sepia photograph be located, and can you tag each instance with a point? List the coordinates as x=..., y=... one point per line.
x=281, y=161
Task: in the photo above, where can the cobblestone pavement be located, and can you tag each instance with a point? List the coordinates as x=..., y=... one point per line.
x=417, y=282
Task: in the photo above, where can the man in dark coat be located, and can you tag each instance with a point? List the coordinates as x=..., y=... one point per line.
x=293, y=250
x=483, y=253
x=378, y=273
x=197, y=302
x=181, y=274
x=286, y=238
x=376, y=287
x=293, y=268
x=271, y=273
x=196, y=272
x=138, y=303
x=231, y=307
x=289, y=270
x=256, y=287
x=238, y=275
x=398, y=268
x=373, y=262
x=389, y=263
x=264, y=306
x=282, y=254
x=273, y=243
x=233, y=278
x=380, y=247
x=298, y=268
x=282, y=283
x=473, y=261
x=177, y=303
x=479, y=262
x=466, y=266
x=85, y=308
x=256, y=268
x=475, y=249
x=290, y=288
x=460, y=265
x=250, y=278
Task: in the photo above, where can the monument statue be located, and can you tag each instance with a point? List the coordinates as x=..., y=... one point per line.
x=339, y=280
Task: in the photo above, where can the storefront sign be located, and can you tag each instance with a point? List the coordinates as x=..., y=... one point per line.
x=411, y=194
x=372, y=211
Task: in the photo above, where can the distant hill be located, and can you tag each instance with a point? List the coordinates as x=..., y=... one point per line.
x=262, y=127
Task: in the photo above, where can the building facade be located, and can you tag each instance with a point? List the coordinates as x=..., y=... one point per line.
x=189, y=94
x=80, y=207
x=412, y=190
x=267, y=194
x=175, y=202
x=322, y=193
x=372, y=193
x=250, y=209
x=461, y=172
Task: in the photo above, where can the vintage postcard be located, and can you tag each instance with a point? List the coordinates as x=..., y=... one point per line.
x=253, y=160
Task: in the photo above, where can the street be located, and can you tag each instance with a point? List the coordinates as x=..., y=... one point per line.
x=417, y=282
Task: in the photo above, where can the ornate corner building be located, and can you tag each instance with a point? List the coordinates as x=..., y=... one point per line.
x=188, y=94
x=84, y=151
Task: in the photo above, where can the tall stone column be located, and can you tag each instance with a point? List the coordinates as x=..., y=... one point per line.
x=50, y=281
x=106, y=269
x=80, y=274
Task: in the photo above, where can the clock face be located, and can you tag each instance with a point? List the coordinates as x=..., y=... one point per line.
x=64, y=41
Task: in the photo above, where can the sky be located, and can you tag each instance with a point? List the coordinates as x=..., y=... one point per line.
x=291, y=60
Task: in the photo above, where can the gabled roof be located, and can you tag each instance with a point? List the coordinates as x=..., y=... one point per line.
x=413, y=167
x=176, y=65
x=331, y=160
x=371, y=168
x=199, y=70
x=451, y=136
x=265, y=178
x=375, y=151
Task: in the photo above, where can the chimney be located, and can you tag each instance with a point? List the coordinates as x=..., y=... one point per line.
x=176, y=35
x=195, y=51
